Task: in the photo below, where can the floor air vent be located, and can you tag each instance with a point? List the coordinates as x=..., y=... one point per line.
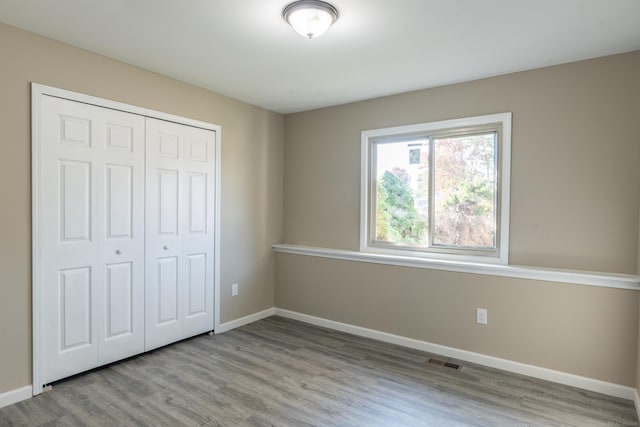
x=443, y=363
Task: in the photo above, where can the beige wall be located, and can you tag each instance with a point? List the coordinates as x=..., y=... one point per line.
x=637, y=377
x=583, y=330
x=638, y=357
x=252, y=143
x=575, y=149
x=574, y=205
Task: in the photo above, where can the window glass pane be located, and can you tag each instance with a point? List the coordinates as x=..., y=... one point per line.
x=465, y=191
x=402, y=192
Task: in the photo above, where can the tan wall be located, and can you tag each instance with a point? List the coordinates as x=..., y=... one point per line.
x=574, y=205
x=575, y=149
x=638, y=356
x=637, y=378
x=583, y=330
x=252, y=143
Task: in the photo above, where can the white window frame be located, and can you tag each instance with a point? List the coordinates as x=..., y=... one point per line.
x=368, y=181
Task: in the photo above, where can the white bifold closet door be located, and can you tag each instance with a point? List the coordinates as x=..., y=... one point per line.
x=179, y=234
x=91, y=228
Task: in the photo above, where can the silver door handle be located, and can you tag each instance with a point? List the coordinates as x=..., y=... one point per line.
x=165, y=248
x=118, y=251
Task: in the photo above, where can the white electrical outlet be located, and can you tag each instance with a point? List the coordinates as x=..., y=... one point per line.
x=234, y=290
x=481, y=316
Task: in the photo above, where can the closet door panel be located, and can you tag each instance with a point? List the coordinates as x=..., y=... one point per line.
x=179, y=231
x=121, y=235
x=164, y=214
x=68, y=243
x=198, y=229
x=91, y=242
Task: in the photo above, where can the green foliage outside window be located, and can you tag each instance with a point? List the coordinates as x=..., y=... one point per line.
x=463, y=198
x=398, y=219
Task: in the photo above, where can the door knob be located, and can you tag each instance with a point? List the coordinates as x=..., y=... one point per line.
x=118, y=251
x=165, y=247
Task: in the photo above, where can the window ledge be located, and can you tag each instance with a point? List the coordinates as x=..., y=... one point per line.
x=577, y=277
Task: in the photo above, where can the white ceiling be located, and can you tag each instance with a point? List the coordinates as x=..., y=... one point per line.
x=245, y=50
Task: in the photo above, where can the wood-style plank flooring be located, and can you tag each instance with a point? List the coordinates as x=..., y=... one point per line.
x=278, y=372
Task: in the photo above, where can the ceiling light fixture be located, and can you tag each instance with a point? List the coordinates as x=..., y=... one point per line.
x=310, y=18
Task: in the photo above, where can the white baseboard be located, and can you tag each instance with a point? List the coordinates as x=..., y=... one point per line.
x=637, y=402
x=585, y=383
x=14, y=396
x=227, y=326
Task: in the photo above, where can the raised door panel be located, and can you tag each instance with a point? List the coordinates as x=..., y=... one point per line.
x=119, y=300
x=74, y=306
x=197, y=203
x=119, y=202
x=167, y=285
x=162, y=298
x=120, y=137
x=75, y=129
x=74, y=189
x=168, y=208
x=196, y=285
x=197, y=146
x=168, y=140
x=71, y=345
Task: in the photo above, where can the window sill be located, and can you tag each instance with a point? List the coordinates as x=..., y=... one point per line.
x=577, y=277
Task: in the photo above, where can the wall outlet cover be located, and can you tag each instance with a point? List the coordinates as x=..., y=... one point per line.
x=481, y=316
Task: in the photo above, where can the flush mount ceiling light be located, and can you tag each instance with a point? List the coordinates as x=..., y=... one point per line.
x=310, y=18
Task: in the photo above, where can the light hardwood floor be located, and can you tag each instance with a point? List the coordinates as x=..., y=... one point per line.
x=278, y=372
